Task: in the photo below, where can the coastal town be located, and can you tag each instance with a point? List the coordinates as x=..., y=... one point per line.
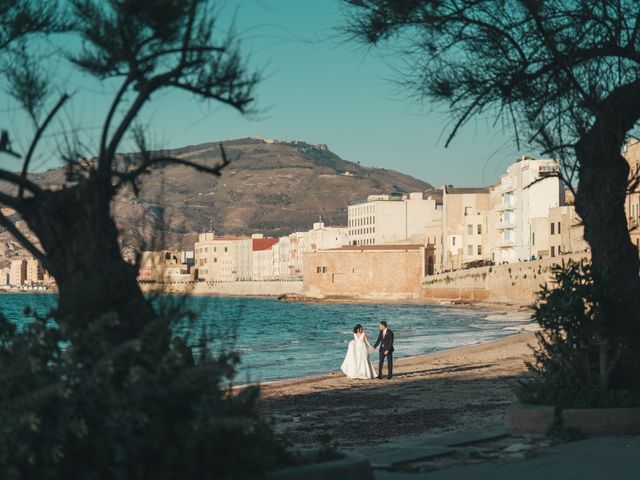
x=391, y=245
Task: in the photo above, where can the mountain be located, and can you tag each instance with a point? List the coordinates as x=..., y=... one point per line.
x=270, y=187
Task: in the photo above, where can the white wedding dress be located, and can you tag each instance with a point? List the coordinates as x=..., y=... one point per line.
x=357, y=363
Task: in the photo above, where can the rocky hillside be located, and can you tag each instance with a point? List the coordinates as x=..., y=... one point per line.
x=273, y=188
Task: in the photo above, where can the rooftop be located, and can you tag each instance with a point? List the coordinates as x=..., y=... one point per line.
x=451, y=190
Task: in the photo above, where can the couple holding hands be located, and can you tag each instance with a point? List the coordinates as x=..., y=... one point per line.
x=357, y=363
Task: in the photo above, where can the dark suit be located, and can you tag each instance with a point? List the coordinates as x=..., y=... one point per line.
x=386, y=345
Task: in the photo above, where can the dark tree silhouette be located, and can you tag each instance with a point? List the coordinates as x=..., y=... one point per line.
x=565, y=74
x=145, y=46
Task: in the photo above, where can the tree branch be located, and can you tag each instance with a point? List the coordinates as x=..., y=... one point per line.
x=24, y=241
x=36, y=140
x=20, y=181
x=145, y=167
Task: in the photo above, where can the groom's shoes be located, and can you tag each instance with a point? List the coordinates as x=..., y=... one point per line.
x=379, y=377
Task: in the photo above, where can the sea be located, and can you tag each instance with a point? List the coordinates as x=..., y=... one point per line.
x=278, y=340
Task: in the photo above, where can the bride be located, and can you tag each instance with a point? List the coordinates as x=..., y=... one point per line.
x=357, y=363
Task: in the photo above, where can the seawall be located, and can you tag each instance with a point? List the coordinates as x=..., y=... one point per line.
x=513, y=283
x=270, y=288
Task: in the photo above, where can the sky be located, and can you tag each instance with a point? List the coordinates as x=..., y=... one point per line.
x=318, y=87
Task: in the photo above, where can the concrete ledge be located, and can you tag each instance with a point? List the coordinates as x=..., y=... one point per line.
x=603, y=421
x=526, y=418
x=351, y=467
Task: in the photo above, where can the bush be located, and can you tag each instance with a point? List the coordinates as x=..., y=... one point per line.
x=138, y=411
x=580, y=361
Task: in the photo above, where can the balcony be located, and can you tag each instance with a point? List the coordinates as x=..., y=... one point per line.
x=506, y=243
x=506, y=206
x=507, y=225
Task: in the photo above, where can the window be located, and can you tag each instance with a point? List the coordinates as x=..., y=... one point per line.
x=318, y=269
x=479, y=229
x=469, y=229
x=479, y=249
x=467, y=211
x=324, y=269
x=553, y=251
x=453, y=240
x=533, y=238
x=469, y=249
x=226, y=249
x=553, y=225
x=215, y=260
x=558, y=228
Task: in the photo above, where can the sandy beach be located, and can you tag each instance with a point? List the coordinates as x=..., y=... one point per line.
x=456, y=389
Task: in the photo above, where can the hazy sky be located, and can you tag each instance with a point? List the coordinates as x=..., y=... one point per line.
x=317, y=87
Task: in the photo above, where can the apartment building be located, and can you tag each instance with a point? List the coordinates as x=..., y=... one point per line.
x=523, y=197
x=216, y=258
x=263, y=255
x=34, y=274
x=18, y=272
x=464, y=226
x=392, y=218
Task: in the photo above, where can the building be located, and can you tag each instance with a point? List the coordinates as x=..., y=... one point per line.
x=522, y=200
x=166, y=266
x=632, y=202
x=464, y=226
x=34, y=272
x=5, y=275
x=392, y=218
x=244, y=259
x=217, y=258
x=263, y=251
x=18, y=272
x=366, y=271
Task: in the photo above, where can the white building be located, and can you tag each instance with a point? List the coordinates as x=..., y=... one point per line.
x=217, y=258
x=524, y=195
x=392, y=218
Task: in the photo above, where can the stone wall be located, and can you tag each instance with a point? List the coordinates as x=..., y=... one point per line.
x=367, y=272
x=270, y=288
x=515, y=283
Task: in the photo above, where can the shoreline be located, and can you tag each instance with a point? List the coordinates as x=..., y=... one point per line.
x=449, y=390
x=476, y=304
x=423, y=357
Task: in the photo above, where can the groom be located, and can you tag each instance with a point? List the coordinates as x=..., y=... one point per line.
x=385, y=339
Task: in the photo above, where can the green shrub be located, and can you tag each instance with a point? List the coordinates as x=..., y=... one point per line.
x=142, y=410
x=579, y=361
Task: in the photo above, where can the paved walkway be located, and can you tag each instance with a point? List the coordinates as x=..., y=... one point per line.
x=491, y=454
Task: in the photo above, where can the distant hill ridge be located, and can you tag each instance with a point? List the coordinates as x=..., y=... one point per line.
x=270, y=187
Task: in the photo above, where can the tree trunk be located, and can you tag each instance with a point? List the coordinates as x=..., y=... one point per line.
x=80, y=240
x=600, y=204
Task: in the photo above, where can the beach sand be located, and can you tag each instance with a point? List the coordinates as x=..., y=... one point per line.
x=458, y=389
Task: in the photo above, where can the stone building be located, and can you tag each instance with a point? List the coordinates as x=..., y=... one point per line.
x=367, y=271
x=165, y=266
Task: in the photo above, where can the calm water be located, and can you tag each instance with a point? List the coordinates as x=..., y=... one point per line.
x=283, y=340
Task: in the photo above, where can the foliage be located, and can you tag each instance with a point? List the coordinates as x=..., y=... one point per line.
x=580, y=361
x=138, y=411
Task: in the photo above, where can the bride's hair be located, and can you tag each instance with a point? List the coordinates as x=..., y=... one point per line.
x=357, y=328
